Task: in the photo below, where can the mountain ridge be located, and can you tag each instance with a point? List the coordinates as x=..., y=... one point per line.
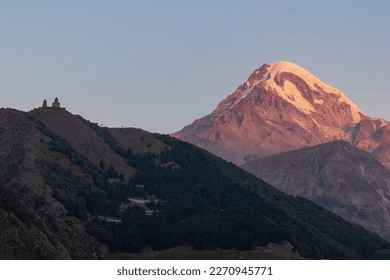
x=87, y=209
x=283, y=107
x=336, y=175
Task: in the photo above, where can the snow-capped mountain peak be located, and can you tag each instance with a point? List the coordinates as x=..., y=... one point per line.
x=294, y=84
x=291, y=91
x=280, y=107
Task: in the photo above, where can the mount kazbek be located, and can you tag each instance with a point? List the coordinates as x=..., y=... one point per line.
x=283, y=107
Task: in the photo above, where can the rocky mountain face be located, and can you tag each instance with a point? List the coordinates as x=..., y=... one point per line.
x=70, y=189
x=283, y=107
x=373, y=135
x=339, y=177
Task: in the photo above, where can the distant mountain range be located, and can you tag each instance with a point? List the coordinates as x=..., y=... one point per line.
x=71, y=189
x=282, y=107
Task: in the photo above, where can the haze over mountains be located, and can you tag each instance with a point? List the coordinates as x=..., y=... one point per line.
x=282, y=107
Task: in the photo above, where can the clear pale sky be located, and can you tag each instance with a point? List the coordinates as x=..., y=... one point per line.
x=159, y=65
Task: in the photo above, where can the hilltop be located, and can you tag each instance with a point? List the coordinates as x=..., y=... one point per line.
x=78, y=190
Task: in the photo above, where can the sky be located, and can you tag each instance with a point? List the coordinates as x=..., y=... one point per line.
x=159, y=65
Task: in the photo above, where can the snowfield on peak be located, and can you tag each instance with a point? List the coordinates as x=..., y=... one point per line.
x=291, y=93
x=282, y=107
x=286, y=80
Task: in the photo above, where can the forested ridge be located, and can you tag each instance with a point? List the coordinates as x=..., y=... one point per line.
x=190, y=198
x=209, y=203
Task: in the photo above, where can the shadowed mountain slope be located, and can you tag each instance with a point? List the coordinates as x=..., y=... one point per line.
x=341, y=178
x=88, y=189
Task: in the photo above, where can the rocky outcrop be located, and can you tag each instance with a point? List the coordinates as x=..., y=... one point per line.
x=373, y=135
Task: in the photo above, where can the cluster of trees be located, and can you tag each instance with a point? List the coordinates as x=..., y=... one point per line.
x=208, y=203
x=11, y=203
x=205, y=202
x=83, y=197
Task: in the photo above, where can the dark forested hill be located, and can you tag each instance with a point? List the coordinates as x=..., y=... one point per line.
x=77, y=190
